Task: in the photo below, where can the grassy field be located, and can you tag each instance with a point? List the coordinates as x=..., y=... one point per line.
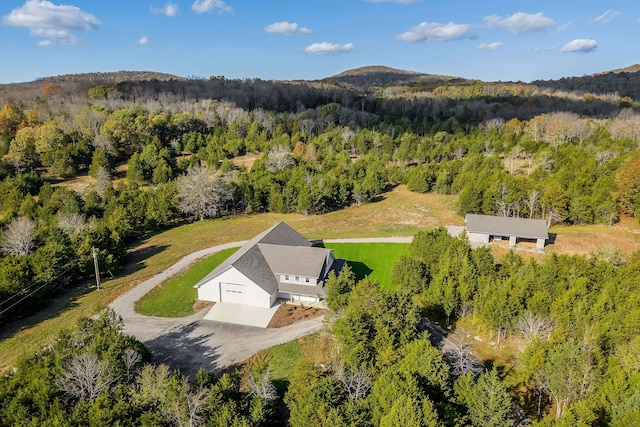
x=375, y=260
x=175, y=296
x=397, y=213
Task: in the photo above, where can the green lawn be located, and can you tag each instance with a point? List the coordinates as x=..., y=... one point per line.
x=283, y=359
x=375, y=260
x=175, y=296
x=398, y=213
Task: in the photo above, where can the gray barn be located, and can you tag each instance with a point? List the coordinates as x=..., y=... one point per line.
x=485, y=228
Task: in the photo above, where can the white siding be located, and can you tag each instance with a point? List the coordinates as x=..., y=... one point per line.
x=297, y=297
x=478, y=237
x=255, y=295
x=302, y=280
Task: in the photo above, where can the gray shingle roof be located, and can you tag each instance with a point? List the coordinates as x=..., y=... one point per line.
x=297, y=260
x=507, y=226
x=279, y=249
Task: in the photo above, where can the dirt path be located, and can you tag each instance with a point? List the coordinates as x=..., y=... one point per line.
x=191, y=343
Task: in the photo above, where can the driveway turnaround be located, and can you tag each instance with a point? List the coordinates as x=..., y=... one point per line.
x=193, y=343
x=196, y=342
x=228, y=312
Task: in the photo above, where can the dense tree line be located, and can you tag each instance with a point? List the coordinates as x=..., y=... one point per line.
x=575, y=320
x=96, y=375
x=503, y=149
x=331, y=148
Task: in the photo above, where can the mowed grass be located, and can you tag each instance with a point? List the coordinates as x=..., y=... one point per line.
x=175, y=296
x=375, y=260
x=397, y=213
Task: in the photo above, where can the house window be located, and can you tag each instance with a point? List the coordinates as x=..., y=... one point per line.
x=297, y=278
x=286, y=277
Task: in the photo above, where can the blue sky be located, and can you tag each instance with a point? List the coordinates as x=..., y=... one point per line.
x=282, y=39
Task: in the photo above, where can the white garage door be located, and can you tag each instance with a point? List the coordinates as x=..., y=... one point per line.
x=233, y=292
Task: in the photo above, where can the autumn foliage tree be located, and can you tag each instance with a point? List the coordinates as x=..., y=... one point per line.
x=628, y=181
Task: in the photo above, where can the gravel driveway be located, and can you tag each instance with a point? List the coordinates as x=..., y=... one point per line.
x=191, y=343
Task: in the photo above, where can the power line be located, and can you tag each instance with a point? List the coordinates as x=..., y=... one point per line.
x=68, y=267
x=22, y=299
x=36, y=282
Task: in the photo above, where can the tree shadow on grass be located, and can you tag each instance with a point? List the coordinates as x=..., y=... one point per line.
x=136, y=259
x=185, y=348
x=360, y=269
x=68, y=297
x=54, y=306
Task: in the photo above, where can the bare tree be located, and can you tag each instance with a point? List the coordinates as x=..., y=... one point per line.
x=262, y=386
x=532, y=202
x=19, y=236
x=511, y=163
x=604, y=156
x=131, y=359
x=203, y=193
x=356, y=384
x=534, y=326
x=279, y=158
x=73, y=224
x=184, y=407
x=194, y=402
x=102, y=180
x=85, y=377
x=458, y=352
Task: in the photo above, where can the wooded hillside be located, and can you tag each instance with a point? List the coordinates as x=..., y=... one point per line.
x=147, y=151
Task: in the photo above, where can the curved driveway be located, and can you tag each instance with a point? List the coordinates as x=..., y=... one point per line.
x=191, y=343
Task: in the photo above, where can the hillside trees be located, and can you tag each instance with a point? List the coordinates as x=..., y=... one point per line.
x=202, y=193
x=571, y=315
x=18, y=237
x=94, y=374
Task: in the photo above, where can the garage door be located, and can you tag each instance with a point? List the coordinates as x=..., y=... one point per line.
x=233, y=292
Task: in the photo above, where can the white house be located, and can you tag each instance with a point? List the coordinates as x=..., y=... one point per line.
x=486, y=228
x=277, y=263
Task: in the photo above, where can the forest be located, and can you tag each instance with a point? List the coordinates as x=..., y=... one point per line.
x=154, y=152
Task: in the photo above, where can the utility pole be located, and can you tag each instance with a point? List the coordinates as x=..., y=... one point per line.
x=94, y=250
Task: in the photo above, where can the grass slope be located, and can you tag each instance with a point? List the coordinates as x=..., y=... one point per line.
x=375, y=260
x=398, y=213
x=175, y=296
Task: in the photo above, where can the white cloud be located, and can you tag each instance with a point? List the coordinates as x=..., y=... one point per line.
x=490, y=46
x=564, y=26
x=606, y=17
x=170, y=10
x=395, y=1
x=286, y=28
x=325, y=48
x=435, y=31
x=143, y=40
x=54, y=23
x=520, y=22
x=203, y=6
x=580, y=45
